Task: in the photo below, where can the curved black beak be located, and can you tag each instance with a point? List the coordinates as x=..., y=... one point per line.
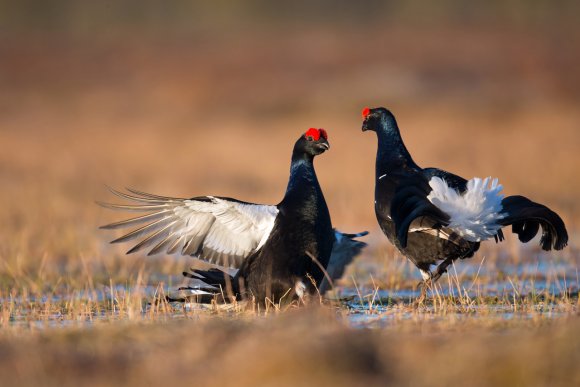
x=323, y=145
x=364, y=125
x=366, y=115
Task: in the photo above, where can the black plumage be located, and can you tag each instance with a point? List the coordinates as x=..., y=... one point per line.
x=273, y=248
x=423, y=231
x=302, y=225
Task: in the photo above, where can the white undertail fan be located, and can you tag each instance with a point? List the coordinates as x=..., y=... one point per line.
x=475, y=213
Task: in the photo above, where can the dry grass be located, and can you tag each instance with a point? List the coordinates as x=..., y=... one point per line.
x=216, y=111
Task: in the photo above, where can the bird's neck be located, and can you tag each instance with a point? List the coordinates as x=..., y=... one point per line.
x=392, y=155
x=303, y=183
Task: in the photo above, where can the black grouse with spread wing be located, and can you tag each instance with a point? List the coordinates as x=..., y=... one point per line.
x=432, y=215
x=279, y=251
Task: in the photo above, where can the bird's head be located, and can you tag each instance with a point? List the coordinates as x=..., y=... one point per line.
x=377, y=118
x=313, y=142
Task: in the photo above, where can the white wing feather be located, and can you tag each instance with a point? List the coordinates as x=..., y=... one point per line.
x=218, y=230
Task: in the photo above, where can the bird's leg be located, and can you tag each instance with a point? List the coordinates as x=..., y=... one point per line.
x=441, y=269
x=429, y=278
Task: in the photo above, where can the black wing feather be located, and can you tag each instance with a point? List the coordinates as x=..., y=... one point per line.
x=410, y=202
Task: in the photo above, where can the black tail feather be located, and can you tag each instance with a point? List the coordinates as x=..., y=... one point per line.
x=526, y=217
x=499, y=236
x=344, y=250
x=212, y=277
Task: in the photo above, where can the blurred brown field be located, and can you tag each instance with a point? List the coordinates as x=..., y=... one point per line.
x=217, y=112
x=190, y=99
x=306, y=347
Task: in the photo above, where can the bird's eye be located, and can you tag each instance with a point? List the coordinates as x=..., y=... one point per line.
x=312, y=134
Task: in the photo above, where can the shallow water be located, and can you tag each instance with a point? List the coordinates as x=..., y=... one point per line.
x=375, y=308
x=470, y=290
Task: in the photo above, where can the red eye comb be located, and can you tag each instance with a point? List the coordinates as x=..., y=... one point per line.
x=366, y=111
x=312, y=133
x=323, y=133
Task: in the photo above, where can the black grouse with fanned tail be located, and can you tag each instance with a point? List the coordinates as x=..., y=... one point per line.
x=432, y=215
x=275, y=253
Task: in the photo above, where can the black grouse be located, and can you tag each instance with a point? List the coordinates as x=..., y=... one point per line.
x=279, y=251
x=432, y=215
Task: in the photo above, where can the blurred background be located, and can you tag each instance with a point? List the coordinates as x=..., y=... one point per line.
x=190, y=98
x=185, y=98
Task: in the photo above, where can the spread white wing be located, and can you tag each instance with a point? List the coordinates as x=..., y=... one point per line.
x=219, y=230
